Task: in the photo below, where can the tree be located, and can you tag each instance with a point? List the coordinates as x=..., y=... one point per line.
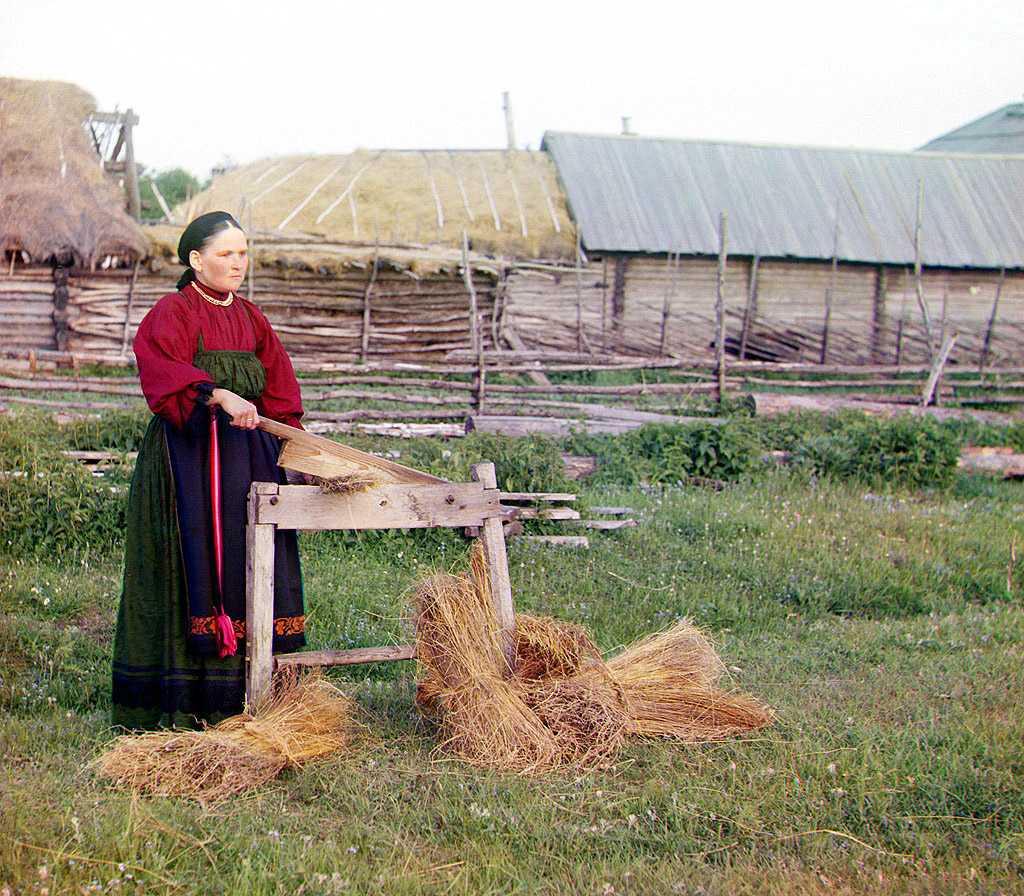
x=176, y=186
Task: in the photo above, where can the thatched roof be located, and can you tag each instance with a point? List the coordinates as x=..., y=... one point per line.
x=55, y=201
x=510, y=203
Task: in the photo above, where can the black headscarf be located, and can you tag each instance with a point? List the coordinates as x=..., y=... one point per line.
x=195, y=237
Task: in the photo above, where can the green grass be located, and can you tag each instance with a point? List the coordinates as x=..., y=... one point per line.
x=879, y=625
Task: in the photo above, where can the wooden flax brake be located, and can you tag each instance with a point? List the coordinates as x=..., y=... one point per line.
x=395, y=496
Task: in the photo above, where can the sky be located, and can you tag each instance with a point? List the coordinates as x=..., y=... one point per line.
x=219, y=80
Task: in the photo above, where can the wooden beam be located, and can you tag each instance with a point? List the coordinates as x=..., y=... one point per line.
x=131, y=179
x=493, y=540
x=259, y=598
x=387, y=506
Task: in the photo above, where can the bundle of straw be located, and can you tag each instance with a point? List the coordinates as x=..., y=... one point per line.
x=668, y=682
x=461, y=656
x=305, y=719
x=545, y=698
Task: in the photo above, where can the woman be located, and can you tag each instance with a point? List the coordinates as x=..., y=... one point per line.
x=210, y=365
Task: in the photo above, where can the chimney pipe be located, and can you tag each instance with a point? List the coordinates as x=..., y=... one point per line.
x=510, y=131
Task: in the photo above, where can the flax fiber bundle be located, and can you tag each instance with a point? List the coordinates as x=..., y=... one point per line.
x=306, y=719
x=548, y=700
x=668, y=681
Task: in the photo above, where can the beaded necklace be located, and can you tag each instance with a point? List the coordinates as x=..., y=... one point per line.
x=223, y=303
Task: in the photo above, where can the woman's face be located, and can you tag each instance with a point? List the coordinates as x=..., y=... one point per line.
x=222, y=262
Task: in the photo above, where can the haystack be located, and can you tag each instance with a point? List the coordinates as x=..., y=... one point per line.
x=546, y=699
x=55, y=202
x=306, y=719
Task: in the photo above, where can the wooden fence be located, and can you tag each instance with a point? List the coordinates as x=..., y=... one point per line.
x=642, y=307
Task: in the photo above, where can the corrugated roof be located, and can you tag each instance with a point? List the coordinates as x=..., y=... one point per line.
x=1001, y=131
x=639, y=194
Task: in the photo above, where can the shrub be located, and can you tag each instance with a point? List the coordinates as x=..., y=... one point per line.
x=904, y=451
x=50, y=503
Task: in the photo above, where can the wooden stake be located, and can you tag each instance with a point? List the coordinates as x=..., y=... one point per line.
x=125, y=336
x=918, y=282
x=437, y=196
x=933, y=378
x=366, y=301
x=991, y=322
x=348, y=189
x=750, y=309
x=490, y=195
x=306, y=201
x=515, y=195
x=475, y=337
x=671, y=267
x=723, y=254
x=579, y=293
x=829, y=292
x=547, y=193
x=604, y=304
x=462, y=189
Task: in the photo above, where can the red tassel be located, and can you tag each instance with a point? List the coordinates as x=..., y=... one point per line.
x=226, y=640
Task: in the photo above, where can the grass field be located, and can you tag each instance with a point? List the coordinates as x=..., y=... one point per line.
x=885, y=627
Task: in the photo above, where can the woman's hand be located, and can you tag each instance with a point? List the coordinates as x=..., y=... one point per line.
x=243, y=413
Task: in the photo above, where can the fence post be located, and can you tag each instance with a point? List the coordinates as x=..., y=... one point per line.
x=723, y=251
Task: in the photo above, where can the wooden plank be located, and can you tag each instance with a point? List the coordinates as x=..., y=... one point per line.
x=560, y=497
x=569, y=541
x=316, y=658
x=259, y=598
x=542, y=513
x=387, y=506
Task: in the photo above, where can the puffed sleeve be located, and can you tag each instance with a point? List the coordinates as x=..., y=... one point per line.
x=281, y=399
x=164, y=346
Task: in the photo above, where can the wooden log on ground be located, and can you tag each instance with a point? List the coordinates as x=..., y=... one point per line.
x=318, y=658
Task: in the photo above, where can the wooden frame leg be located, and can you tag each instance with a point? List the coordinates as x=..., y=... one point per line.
x=259, y=608
x=496, y=557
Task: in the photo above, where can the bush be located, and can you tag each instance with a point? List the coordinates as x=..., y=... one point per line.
x=50, y=503
x=905, y=451
x=656, y=453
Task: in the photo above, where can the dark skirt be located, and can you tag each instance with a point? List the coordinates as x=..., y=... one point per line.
x=166, y=669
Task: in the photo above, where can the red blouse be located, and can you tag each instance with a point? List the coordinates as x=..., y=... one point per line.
x=169, y=336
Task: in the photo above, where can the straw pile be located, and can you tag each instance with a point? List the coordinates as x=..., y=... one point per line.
x=306, y=719
x=55, y=202
x=545, y=699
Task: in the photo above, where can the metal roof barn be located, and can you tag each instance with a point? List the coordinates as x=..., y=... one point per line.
x=647, y=195
x=1001, y=131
